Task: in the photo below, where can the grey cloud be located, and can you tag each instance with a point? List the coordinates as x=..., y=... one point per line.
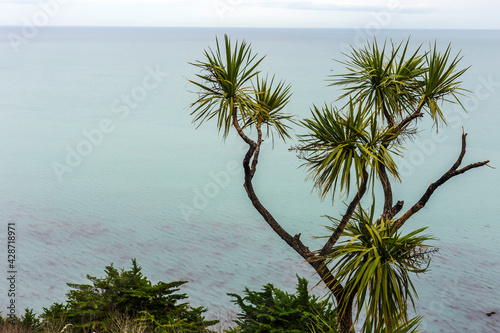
x=308, y=5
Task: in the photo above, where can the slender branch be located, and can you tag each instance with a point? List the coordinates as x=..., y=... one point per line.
x=390, y=211
x=257, y=149
x=462, y=152
x=454, y=171
x=386, y=185
x=246, y=160
x=395, y=209
x=319, y=265
x=240, y=130
x=254, y=148
x=388, y=117
x=347, y=216
x=407, y=120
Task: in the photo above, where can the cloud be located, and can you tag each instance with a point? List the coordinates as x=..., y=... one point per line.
x=279, y=13
x=352, y=6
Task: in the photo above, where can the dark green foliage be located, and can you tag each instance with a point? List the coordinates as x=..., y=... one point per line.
x=129, y=294
x=55, y=311
x=374, y=264
x=30, y=321
x=273, y=310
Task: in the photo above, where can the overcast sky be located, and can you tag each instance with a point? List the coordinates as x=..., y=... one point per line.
x=424, y=14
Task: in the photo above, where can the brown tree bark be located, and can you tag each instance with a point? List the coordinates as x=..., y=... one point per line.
x=344, y=319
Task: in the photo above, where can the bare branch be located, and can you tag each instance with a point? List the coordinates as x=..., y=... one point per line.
x=293, y=242
x=395, y=209
x=462, y=152
x=454, y=171
x=253, y=151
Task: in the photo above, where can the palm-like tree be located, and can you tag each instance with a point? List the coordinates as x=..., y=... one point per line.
x=354, y=145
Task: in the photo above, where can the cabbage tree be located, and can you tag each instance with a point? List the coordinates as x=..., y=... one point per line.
x=366, y=261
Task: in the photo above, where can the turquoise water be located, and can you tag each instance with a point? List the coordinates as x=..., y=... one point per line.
x=100, y=163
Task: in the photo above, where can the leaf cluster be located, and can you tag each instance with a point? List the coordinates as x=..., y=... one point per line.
x=395, y=82
x=342, y=141
x=374, y=265
x=229, y=84
x=386, y=89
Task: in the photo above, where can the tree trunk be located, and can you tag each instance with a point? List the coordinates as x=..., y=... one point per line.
x=344, y=316
x=344, y=302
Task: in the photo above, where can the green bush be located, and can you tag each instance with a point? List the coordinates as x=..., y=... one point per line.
x=27, y=322
x=30, y=320
x=128, y=294
x=272, y=310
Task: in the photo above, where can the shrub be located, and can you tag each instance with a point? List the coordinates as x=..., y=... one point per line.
x=129, y=294
x=30, y=321
x=273, y=310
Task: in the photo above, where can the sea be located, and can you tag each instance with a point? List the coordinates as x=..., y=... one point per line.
x=100, y=163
